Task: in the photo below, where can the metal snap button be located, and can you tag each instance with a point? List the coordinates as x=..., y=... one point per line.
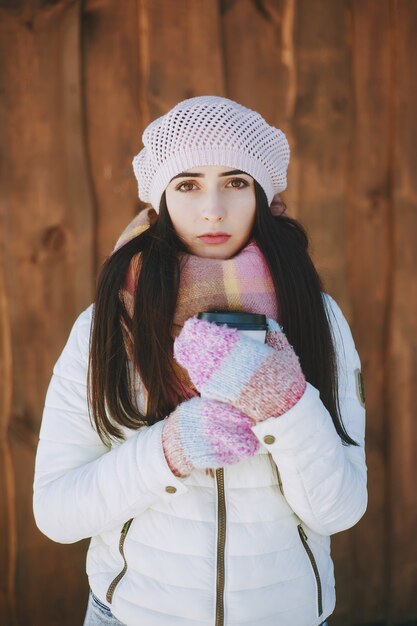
x=269, y=439
x=170, y=489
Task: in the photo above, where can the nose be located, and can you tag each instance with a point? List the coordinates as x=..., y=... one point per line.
x=213, y=210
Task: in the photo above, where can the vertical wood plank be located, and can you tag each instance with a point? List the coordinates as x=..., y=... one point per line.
x=112, y=75
x=401, y=363
x=369, y=275
x=259, y=70
x=8, y=530
x=48, y=252
x=48, y=248
x=321, y=127
x=260, y=67
x=181, y=53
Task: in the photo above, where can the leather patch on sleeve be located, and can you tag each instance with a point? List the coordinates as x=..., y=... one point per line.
x=360, y=387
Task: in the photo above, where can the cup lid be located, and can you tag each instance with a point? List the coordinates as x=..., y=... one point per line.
x=236, y=319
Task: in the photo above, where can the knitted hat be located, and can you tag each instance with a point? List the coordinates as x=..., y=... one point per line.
x=210, y=130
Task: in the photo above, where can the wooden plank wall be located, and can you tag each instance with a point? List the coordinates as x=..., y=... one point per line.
x=79, y=81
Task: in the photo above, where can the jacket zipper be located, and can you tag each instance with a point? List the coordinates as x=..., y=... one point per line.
x=221, y=542
x=115, y=582
x=310, y=555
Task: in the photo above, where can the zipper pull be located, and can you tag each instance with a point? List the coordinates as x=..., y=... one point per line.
x=302, y=532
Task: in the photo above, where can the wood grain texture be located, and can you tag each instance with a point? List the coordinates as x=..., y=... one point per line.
x=112, y=79
x=47, y=263
x=182, y=53
x=248, y=61
x=369, y=256
x=321, y=126
x=261, y=71
x=402, y=356
x=48, y=248
x=8, y=530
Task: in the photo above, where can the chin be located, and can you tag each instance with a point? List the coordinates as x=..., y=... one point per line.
x=217, y=252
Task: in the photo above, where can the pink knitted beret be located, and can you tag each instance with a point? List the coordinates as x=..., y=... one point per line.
x=210, y=130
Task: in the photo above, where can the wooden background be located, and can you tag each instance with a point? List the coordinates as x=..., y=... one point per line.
x=79, y=81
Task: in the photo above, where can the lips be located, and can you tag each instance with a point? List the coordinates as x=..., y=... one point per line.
x=214, y=237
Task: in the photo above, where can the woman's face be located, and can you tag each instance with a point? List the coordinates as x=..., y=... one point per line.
x=212, y=209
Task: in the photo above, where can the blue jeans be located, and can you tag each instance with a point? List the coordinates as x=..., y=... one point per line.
x=98, y=614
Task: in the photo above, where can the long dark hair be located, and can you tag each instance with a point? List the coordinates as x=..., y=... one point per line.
x=111, y=381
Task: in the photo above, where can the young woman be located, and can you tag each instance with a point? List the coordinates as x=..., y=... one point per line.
x=209, y=469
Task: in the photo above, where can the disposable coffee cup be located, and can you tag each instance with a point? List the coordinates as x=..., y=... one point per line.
x=254, y=325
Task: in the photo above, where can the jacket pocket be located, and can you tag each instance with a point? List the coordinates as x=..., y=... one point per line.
x=304, y=541
x=115, y=581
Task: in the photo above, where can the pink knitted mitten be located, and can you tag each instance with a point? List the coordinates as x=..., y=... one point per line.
x=203, y=433
x=259, y=380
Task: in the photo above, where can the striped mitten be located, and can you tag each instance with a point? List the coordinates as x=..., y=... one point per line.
x=259, y=380
x=203, y=433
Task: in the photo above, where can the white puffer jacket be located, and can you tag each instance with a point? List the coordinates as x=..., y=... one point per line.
x=245, y=546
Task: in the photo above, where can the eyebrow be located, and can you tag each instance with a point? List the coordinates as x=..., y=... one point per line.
x=199, y=175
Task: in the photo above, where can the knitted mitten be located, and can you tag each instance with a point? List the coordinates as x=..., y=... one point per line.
x=203, y=433
x=259, y=380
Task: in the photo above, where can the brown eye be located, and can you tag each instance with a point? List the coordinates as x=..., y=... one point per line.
x=238, y=183
x=187, y=186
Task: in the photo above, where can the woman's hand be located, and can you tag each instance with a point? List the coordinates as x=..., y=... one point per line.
x=203, y=433
x=259, y=380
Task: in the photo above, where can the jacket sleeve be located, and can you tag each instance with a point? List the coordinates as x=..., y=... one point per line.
x=81, y=487
x=323, y=480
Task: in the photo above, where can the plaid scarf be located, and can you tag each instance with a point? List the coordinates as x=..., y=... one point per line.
x=242, y=283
